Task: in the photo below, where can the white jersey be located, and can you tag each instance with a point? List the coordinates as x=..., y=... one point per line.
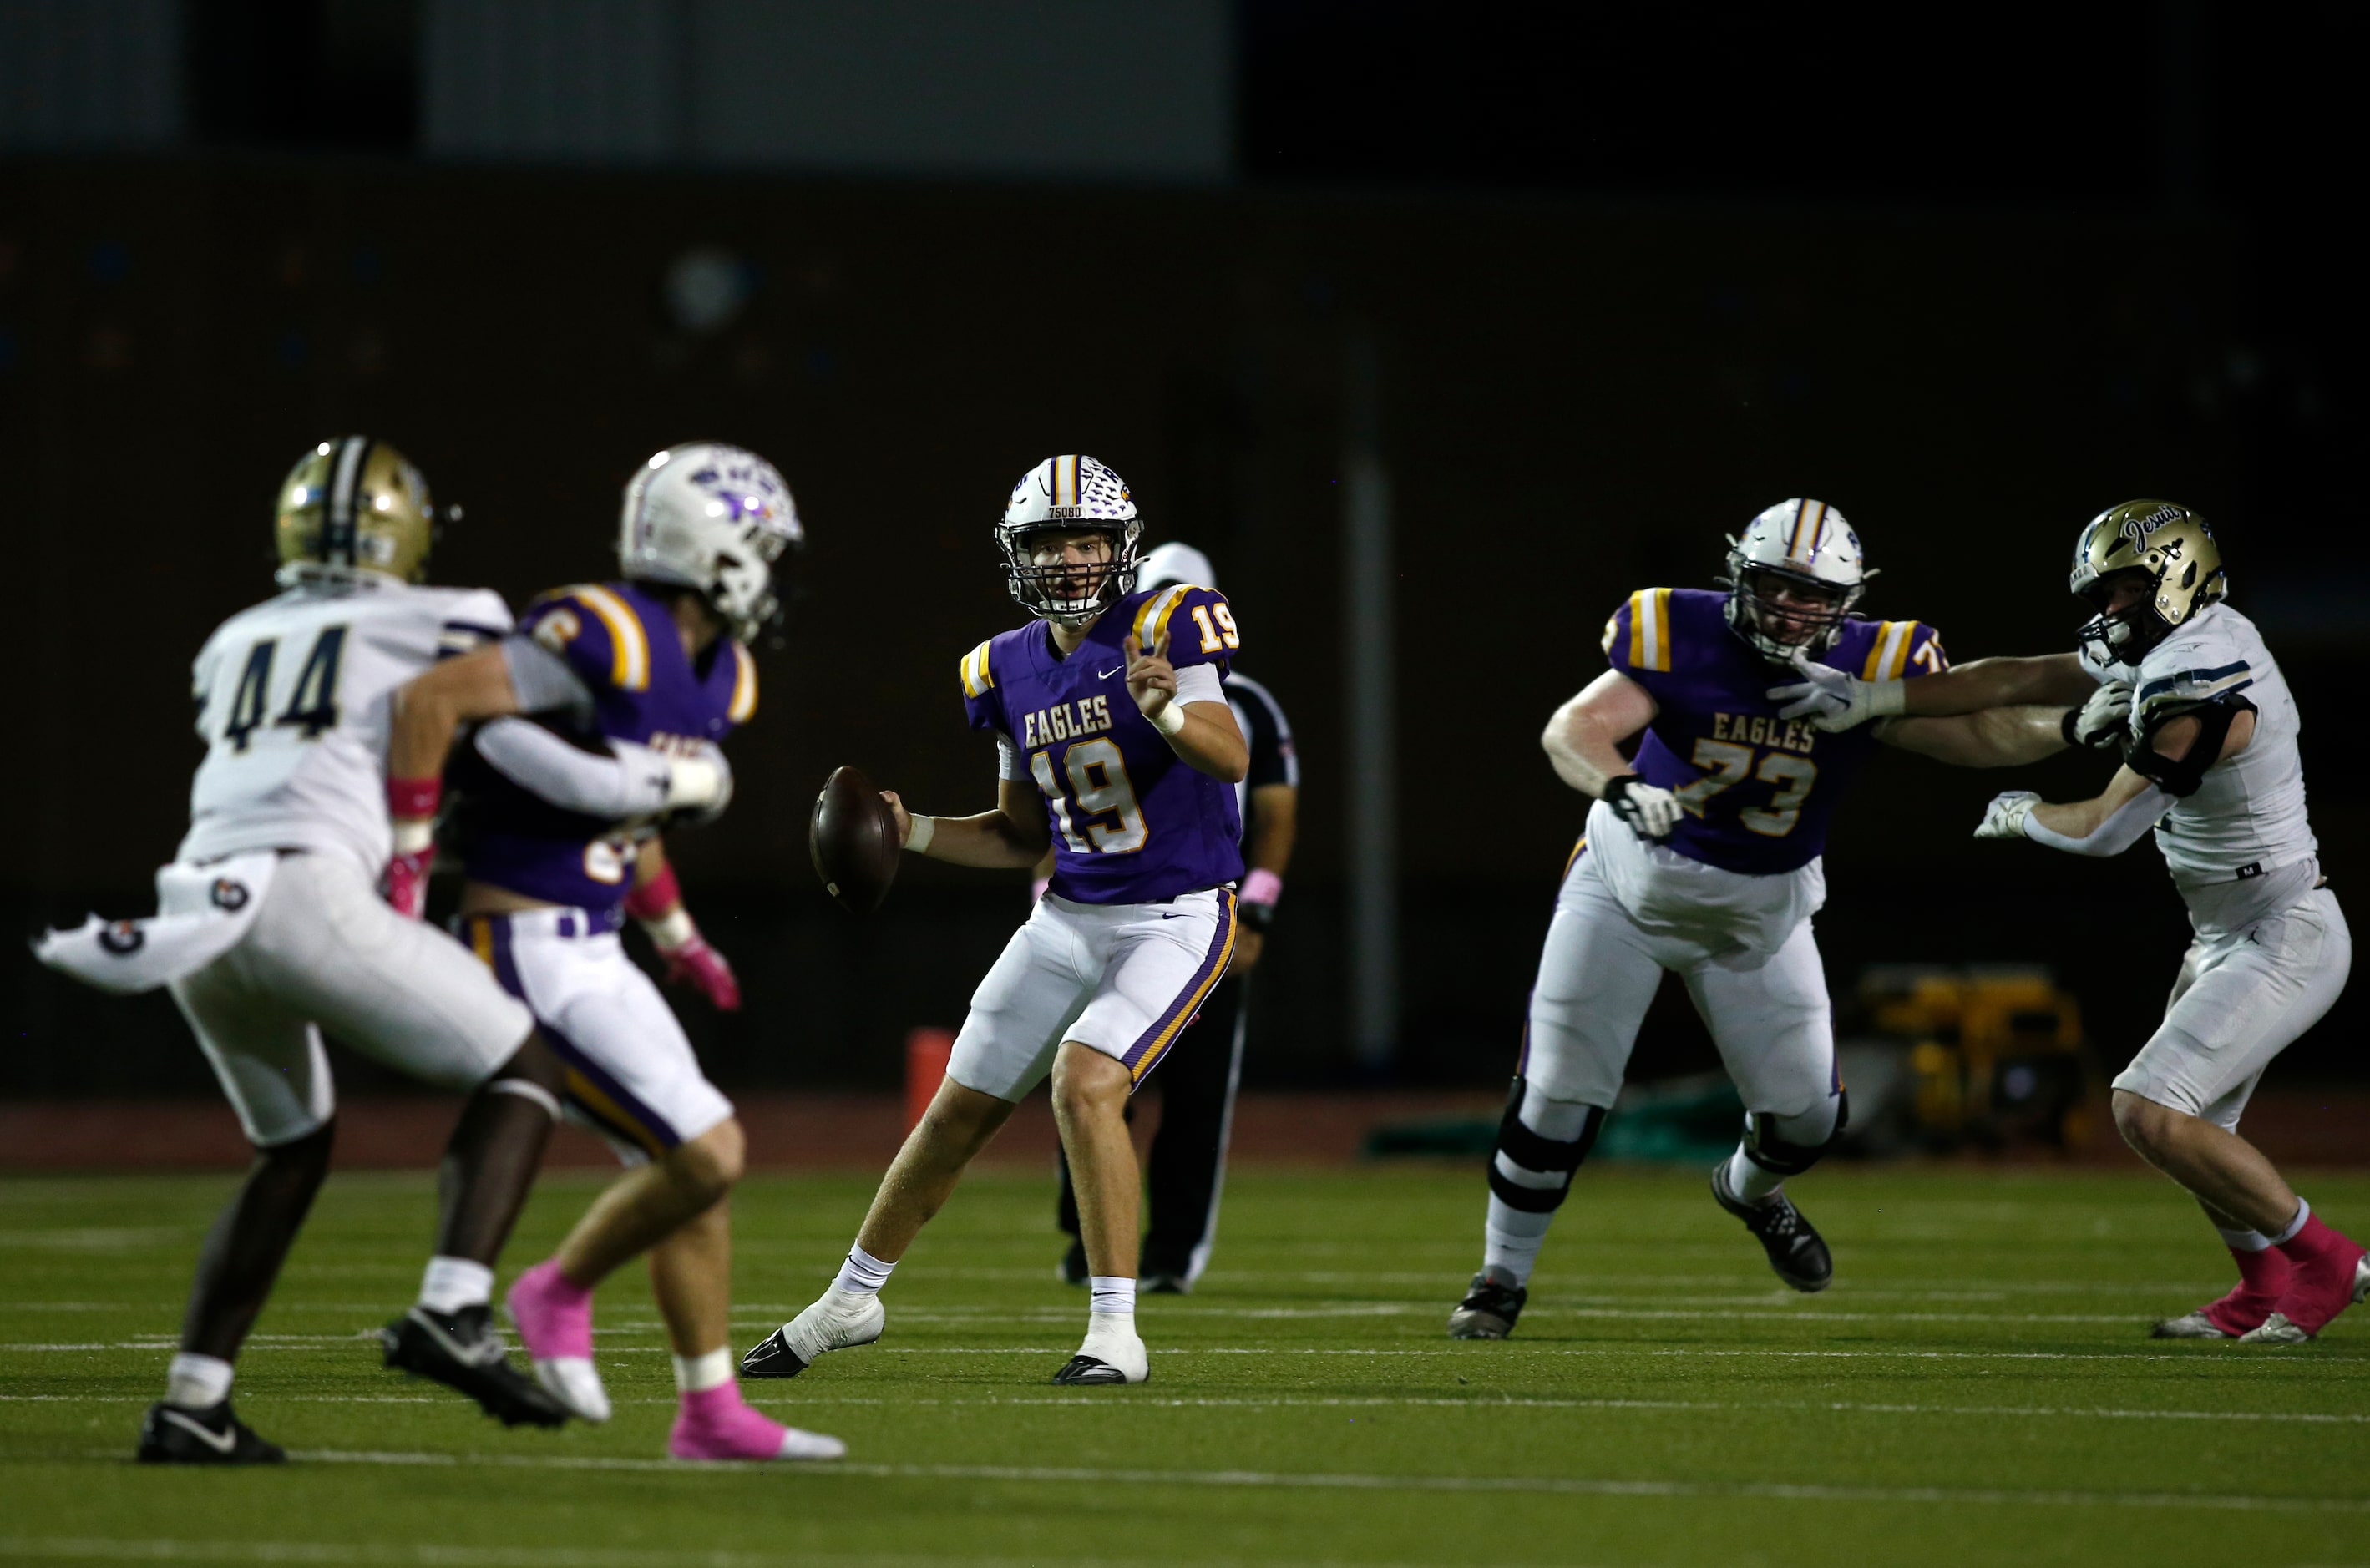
x=294, y=701
x=2247, y=819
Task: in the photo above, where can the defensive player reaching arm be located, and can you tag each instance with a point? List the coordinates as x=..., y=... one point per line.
x=633, y=682
x=1702, y=858
x=2180, y=684
x=1130, y=780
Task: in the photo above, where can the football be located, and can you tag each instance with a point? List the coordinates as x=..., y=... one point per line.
x=853, y=841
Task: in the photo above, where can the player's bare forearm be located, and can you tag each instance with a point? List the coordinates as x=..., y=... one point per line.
x=1275, y=823
x=1995, y=737
x=2081, y=819
x=1014, y=836
x=2056, y=678
x=1583, y=739
x=1211, y=743
x=430, y=710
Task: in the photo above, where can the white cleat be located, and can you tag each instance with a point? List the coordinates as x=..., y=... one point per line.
x=839, y=1319
x=2276, y=1330
x=2189, y=1325
x=798, y=1445
x=1109, y=1356
x=576, y=1383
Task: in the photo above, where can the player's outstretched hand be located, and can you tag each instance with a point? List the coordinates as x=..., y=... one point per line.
x=1649, y=809
x=1151, y=679
x=2102, y=722
x=2004, y=819
x=1833, y=699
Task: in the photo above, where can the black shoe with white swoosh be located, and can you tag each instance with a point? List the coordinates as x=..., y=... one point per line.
x=463, y=1350
x=174, y=1435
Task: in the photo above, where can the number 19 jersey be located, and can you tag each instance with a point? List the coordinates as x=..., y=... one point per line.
x=294, y=697
x=1758, y=790
x=1134, y=823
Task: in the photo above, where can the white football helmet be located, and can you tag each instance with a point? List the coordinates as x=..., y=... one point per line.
x=1064, y=495
x=714, y=519
x=1175, y=563
x=1804, y=549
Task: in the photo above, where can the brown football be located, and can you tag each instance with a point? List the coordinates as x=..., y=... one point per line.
x=853, y=840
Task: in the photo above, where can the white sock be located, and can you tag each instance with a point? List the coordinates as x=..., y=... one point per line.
x=1749, y=1181
x=862, y=1274
x=2244, y=1240
x=2303, y=1213
x=1512, y=1238
x=1112, y=1297
x=195, y=1382
x=451, y=1283
x=698, y=1374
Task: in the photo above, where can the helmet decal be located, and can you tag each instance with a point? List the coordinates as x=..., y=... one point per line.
x=1793, y=576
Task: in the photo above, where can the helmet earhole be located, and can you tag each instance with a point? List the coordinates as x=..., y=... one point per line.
x=2190, y=575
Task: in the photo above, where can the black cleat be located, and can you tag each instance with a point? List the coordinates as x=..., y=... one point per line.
x=1492, y=1304
x=1163, y=1284
x=772, y=1358
x=1795, y=1249
x=174, y=1435
x=464, y=1351
x=1073, y=1264
x=1089, y=1370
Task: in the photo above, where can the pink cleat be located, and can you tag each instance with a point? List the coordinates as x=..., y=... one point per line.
x=2262, y=1279
x=2330, y=1277
x=555, y=1318
x=717, y=1424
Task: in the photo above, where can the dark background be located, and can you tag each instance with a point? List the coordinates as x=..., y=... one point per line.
x=1630, y=273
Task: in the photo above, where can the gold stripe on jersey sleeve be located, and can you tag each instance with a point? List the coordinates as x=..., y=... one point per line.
x=1155, y=613
x=744, y=686
x=629, y=651
x=976, y=676
x=1887, y=650
x=1649, y=629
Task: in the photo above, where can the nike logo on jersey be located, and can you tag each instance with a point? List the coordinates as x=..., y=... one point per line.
x=1065, y=721
x=220, y=1442
x=1112, y=671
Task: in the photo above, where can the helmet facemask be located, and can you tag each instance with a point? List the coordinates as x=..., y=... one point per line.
x=1068, y=592
x=2167, y=552
x=1781, y=613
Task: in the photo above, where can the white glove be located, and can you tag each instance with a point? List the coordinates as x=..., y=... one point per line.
x=1835, y=698
x=699, y=783
x=2004, y=819
x=2102, y=721
x=1650, y=810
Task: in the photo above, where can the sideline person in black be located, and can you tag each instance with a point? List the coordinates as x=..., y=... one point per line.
x=1186, y=1170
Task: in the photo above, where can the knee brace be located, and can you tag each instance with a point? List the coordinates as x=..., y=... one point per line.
x=1530, y=1173
x=1787, y=1146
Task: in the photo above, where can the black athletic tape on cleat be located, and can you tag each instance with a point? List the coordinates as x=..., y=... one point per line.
x=1779, y=1158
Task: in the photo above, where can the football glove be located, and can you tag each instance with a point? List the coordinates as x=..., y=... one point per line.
x=406, y=883
x=699, y=786
x=2102, y=722
x=1835, y=699
x=693, y=962
x=1650, y=810
x=2004, y=819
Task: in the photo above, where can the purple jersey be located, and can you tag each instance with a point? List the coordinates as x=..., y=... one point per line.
x=1758, y=789
x=623, y=645
x=1134, y=823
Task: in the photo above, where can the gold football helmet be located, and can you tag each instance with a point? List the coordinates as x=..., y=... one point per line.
x=2174, y=547
x=354, y=505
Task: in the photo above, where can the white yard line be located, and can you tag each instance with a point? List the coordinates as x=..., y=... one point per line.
x=431, y=1555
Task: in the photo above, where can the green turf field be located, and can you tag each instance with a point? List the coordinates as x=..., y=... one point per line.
x=1976, y=1389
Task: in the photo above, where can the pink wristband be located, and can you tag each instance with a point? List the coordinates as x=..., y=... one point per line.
x=413, y=797
x=1262, y=887
x=656, y=897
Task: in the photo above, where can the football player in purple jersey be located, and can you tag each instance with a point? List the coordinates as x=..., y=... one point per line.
x=631, y=685
x=1702, y=858
x=1118, y=748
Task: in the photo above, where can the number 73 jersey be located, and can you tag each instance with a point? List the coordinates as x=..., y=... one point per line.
x=1758, y=790
x=294, y=699
x=1132, y=822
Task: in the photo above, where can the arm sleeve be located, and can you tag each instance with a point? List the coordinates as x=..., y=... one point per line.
x=2122, y=828
x=1009, y=764
x=630, y=782
x=542, y=679
x=1199, y=684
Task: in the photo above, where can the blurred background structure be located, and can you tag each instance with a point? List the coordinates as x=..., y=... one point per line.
x=1440, y=327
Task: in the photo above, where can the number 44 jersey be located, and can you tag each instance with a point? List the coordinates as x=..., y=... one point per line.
x=1134, y=823
x=294, y=701
x=1758, y=790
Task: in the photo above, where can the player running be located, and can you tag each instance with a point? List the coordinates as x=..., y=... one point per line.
x=1114, y=708
x=635, y=682
x=2180, y=684
x=271, y=927
x=1702, y=857
x=1185, y=1170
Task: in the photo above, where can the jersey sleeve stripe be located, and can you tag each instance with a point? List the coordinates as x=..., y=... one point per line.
x=744, y=686
x=976, y=678
x=2204, y=680
x=1888, y=651
x=1649, y=629
x=1155, y=613
x=629, y=653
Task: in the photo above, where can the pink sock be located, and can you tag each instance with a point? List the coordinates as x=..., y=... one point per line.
x=717, y=1424
x=554, y=1316
x=2262, y=1279
x=2322, y=1284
